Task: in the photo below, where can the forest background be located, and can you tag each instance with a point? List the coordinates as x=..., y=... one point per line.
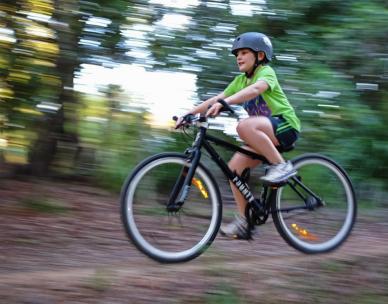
x=331, y=59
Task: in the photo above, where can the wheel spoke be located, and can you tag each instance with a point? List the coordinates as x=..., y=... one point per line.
x=326, y=193
x=168, y=236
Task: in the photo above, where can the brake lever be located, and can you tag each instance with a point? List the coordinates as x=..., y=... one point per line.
x=187, y=119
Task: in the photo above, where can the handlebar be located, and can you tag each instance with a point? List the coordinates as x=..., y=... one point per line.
x=190, y=118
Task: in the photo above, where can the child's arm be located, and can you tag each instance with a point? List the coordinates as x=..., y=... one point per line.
x=248, y=93
x=245, y=94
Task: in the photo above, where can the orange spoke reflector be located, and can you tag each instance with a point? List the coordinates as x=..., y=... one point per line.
x=304, y=233
x=200, y=187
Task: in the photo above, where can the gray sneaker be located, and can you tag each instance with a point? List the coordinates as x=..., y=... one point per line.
x=279, y=173
x=238, y=229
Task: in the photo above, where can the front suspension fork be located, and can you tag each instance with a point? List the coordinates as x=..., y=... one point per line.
x=181, y=189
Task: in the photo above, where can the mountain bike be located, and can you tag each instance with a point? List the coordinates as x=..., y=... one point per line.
x=171, y=203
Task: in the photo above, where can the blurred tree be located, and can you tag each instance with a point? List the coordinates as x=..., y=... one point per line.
x=85, y=31
x=331, y=59
x=46, y=44
x=28, y=76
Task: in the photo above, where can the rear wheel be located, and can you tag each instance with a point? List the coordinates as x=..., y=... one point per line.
x=159, y=233
x=316, y=210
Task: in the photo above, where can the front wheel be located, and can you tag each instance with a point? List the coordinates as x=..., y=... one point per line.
x=163, y=234
x=316, y=210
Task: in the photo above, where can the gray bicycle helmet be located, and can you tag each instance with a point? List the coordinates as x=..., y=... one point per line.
x=255, y=41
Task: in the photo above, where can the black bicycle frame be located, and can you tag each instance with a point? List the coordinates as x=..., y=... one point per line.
x=233, y=176
x=194, y=154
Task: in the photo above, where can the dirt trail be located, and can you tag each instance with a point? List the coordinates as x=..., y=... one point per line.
x=78, y=253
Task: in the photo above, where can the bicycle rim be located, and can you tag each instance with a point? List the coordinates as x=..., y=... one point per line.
x=326, y=226
x=166, y=236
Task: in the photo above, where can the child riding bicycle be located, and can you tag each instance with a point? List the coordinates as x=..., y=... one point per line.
x=272, y=124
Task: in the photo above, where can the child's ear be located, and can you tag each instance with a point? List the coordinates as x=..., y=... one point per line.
x=260, y=56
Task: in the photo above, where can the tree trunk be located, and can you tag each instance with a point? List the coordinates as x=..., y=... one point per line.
x=52, y=127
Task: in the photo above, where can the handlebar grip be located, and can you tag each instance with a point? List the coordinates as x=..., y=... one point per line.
x=175, y=118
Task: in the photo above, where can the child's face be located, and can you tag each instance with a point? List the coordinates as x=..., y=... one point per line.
x=245, y=60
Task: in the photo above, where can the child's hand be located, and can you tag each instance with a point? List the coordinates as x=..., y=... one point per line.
x=214, y=110
x=178, y=122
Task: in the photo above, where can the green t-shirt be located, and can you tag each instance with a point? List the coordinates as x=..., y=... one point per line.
x=272, y=102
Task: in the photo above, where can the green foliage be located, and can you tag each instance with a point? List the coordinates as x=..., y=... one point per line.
x=114, y=136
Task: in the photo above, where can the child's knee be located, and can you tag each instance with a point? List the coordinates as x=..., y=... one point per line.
x=243, y=128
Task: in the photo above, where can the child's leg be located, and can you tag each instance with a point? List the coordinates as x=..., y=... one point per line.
x=238, y=163
x=258, y=133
